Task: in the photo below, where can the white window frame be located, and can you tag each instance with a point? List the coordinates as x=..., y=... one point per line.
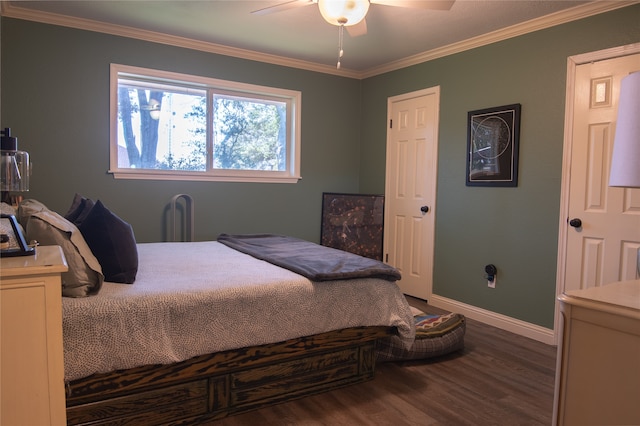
x=292, y=98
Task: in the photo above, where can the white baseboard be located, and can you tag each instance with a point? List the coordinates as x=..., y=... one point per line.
x=503, y=322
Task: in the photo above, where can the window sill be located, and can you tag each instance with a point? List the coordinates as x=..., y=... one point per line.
x=198, y=176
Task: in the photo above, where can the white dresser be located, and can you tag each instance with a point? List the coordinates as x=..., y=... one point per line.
x=598, y=371
x=31, y=353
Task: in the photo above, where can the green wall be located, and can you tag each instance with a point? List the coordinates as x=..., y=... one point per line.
x=514, y=228
x=54, y=96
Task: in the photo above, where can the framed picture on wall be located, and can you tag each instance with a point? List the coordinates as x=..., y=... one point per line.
x=492, y=146
x=353, y=223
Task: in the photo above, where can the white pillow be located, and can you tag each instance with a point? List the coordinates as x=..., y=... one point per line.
x=84, y=276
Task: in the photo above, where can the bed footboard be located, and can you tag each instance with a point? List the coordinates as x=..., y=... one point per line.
x=225, y=383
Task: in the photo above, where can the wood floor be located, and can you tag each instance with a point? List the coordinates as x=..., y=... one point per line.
x=498, y=379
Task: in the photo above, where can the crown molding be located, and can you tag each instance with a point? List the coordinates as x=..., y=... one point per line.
x=10, y=10
x=558, y=18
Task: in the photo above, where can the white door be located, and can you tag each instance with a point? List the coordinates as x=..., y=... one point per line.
x=412, y=159
x=603, y=236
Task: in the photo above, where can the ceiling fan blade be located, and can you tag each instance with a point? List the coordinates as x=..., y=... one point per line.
x=291, y=4
x=358, y=29
x=417, y=4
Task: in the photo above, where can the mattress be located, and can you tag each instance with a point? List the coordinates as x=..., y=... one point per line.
x=195, y=298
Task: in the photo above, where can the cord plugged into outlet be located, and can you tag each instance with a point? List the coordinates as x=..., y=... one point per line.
x=491, y=283
x=491, y=271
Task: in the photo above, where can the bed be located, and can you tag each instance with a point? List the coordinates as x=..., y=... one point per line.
x=183, y=333
x=217, y=332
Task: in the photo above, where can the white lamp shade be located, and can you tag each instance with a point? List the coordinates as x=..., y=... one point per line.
x=343, y=12
x=625, y=163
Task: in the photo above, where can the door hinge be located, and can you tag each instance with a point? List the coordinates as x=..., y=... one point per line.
x=390, y=124
x=386, y=258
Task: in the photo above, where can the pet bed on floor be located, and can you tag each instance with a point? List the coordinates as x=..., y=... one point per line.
x=436, y=335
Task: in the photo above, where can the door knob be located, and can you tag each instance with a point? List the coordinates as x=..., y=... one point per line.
x=576, y=223
x=424, y=209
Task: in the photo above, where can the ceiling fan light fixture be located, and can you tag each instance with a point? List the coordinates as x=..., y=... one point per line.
x=343, y=12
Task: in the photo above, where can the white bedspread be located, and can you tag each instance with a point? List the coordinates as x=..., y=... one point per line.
x=191, y=299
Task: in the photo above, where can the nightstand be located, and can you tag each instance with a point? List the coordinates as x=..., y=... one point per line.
x=31, y=351
x=598, y=373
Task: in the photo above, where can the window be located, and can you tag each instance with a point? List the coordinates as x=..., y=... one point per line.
x=172, y=126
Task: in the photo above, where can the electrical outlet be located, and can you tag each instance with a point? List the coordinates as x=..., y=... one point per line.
x=491, y=271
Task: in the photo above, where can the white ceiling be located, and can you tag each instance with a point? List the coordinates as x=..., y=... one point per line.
x=395, y=36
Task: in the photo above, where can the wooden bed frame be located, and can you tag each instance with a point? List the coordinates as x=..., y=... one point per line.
x=226, y=383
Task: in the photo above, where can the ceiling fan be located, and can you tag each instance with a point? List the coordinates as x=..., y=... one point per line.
x=351, y=13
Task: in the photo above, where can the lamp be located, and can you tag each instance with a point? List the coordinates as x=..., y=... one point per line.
x=343, y=13
x=625, y=163
x=14, y=166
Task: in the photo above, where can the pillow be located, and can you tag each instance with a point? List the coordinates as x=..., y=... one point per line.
x=80, y=207
x=7, y=209
x=27, y=208
x=84, y=277
x=112, y=241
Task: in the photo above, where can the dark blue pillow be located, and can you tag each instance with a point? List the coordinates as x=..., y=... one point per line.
x=80, y=207
x=112, y=242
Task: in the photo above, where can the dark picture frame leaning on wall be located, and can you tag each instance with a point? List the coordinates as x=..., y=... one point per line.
x=353, y=223
x=493, y=142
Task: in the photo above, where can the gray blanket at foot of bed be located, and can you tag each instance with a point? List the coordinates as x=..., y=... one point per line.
x=313, y=261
